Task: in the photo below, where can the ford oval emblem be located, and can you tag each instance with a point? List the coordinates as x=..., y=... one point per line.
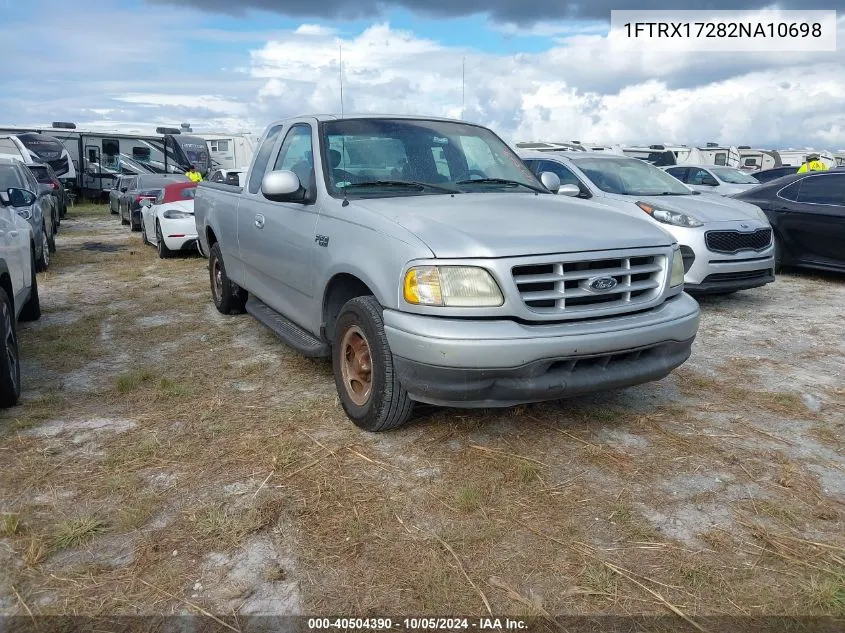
x=601, y=284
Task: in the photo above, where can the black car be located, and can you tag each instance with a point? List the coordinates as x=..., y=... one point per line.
x=143, y=186
x=765, y=175
x=807, y=213
x=45, y=175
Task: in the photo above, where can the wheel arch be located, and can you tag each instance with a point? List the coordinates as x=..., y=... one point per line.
x=341, y=288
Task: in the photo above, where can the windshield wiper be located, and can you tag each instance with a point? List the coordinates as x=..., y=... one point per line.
x=403, y=184
x=668, y=193
x=500, y=181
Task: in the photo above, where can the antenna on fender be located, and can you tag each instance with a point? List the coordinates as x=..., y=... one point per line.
x=340, y=65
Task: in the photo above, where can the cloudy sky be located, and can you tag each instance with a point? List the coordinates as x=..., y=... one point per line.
x=540, y=70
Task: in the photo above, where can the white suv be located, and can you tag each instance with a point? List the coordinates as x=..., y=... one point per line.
x=726, y=244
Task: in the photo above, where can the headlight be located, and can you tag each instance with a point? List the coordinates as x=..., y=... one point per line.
x=760, y=214
x=670, y=217
x=173, y=214
x=458, y=286
x=677, y=276
x=26, y=214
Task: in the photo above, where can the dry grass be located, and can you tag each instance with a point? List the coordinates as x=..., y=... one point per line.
x=9, y=524
x=532, y=510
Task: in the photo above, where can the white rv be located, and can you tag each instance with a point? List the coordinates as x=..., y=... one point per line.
x=230, y=151
x=663, y=155
x=754, y=159
x=721, y=155
x=799, y=156
x=41, y=148
x=94, y=158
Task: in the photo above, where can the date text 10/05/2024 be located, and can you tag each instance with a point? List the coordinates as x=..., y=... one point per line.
x=723, y=29
x=423, y=624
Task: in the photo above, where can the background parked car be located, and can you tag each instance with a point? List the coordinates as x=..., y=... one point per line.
x=168, y=221
x=140, y=187
x=725, y=181
x=119, y=186
x=18, y=282
x=15, y=175
x=807, y=213
x=45, y=175
x=726, y=246
x=767, y=175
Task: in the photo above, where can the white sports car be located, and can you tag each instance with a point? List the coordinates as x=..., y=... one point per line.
x=168, y=221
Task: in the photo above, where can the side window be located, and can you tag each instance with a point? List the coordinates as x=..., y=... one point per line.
x=566, y=176
x=791, y=192
x=679, y=172
x=699, y=177
x=532, y=165
x=259, y=166
x=828, y=189
x=296, y=153
x=720, y=158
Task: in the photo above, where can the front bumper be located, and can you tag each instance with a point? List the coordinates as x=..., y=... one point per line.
x=713, y=272
x=473, y=363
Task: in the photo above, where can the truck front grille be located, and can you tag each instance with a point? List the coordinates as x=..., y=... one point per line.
x=736, y=241
x=565, y=286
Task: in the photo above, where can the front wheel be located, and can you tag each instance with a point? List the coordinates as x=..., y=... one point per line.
x=778, y=255
x=31, y=310
x=227, y=296
x=364, y=375
x=10, y=369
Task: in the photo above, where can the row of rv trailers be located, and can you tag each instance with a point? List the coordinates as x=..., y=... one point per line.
x=89, y=161
x=740, y=156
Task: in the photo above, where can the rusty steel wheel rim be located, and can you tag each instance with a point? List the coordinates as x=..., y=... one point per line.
x=356, y=366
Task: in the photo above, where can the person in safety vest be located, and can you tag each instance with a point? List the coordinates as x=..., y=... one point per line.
x=812, y=163
x=193, y=174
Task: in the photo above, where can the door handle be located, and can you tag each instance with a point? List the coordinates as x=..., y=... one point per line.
x=259, y=221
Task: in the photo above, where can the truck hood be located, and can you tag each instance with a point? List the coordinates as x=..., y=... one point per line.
x=707, y=207
x=513, y=224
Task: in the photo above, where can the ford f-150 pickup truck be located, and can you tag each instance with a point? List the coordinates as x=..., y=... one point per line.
x=432, y=266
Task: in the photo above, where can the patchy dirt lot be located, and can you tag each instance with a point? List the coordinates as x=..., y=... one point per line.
x=167, y=459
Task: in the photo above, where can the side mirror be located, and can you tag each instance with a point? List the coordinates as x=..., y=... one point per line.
x=573, y=191
x=550, y=180
x=281, y=186
x=19, y=197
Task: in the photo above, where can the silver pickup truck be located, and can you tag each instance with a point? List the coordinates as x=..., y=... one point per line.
x=432, y=266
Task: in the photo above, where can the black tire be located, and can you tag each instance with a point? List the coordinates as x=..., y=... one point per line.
x=123, y=221
x=227, y=296
x=163, y=251
x=144, y=238
x=31, y=310
x=778, y=255
x=43, y=262
x=385, y=404
x=132, y=226
x=51, y=241
x=111, y=210
x=10, y=368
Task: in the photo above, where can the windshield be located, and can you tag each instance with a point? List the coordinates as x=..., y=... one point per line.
x=377, y=157
x=734, y=176
x=630, y=177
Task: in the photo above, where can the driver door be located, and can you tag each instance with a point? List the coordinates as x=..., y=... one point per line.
x=277, y=239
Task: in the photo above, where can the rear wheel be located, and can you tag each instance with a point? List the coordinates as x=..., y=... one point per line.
x=163, y=251
x=227, y=296
x=43, y=262
x=32, y=308
x=10, y=370
x=364, y=375
x=123, y=220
